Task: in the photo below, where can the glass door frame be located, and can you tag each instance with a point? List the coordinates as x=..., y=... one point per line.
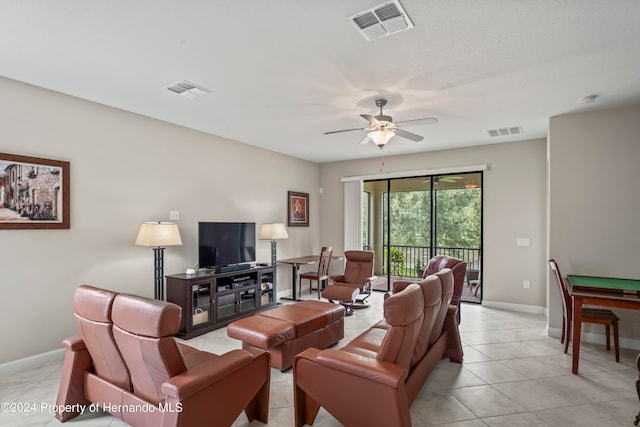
x=386, y=229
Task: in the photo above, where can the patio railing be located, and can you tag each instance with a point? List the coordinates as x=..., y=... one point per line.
x=406, y=260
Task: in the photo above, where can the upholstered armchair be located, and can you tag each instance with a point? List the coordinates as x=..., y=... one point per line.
x=358, y=273
x=436, y=264
x=125, y=357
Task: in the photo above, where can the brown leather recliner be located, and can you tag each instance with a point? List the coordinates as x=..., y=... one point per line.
x=383, y=369
x=436, y=264
x=358, y=273
x=127, y=362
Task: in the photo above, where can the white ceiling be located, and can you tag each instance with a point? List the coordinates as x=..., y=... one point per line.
x=283, y=72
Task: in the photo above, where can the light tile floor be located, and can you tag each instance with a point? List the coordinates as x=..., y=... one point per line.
x=513, y=375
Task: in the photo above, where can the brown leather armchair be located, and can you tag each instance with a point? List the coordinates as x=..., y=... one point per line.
x=358, y=273
x=126, y=361
x=436, y=264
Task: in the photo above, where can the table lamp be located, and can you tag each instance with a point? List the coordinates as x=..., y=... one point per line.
x=158, y=235
x=273, y=231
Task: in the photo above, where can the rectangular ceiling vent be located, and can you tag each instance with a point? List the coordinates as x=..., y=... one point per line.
x=514, y=130
x=381, y=21
x=188, y=89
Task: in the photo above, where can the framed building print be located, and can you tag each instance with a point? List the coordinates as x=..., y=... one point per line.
x=34, y=192
x=298, y=208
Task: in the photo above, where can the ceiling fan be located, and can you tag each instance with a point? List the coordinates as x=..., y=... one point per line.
x=468, y=183
x=446, y=178
x=382, y=128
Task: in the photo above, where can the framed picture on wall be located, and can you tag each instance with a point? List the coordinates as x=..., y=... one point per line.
x=298, y=204
x=34, y=192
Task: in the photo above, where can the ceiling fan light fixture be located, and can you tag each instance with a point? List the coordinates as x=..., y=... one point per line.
x=470, y=183
x=382, y=127
x=381, y=137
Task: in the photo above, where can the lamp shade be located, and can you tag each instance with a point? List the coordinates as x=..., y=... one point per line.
x=273, y=231
x=381, y=137
x=156, y=234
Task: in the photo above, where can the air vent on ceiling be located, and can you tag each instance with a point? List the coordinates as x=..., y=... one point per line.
x=382, y=21
x=513, y=130
x=188, y=89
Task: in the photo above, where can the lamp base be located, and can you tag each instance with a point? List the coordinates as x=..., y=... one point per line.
x=158, y=273
x=273, y=252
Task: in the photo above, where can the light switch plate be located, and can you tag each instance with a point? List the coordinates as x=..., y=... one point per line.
x=522, y=241
x=174, y=215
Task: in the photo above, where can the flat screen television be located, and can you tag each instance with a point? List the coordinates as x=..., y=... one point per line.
x=226, y=243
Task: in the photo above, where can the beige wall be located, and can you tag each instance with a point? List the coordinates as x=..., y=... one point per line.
x=514, y=206
x=595, y=203
x=126, y=169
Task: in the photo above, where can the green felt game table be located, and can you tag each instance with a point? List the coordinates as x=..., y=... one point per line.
x=599, y=291
x=604, y=284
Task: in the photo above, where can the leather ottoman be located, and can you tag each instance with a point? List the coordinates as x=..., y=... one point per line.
x=289, y=329
x=345, y=295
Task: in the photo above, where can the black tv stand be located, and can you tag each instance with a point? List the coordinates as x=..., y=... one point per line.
x=211, y=300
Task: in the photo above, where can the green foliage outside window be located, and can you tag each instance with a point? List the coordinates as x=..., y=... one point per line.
x=408, y=210
x=457, y=219
x=397, y=262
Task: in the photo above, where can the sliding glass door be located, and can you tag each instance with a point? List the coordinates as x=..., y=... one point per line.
x=407, y=221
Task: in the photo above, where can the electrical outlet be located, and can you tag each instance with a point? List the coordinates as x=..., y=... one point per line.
x=526, y=284
x=174, y=215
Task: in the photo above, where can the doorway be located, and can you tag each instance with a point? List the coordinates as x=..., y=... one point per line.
x=407, y=221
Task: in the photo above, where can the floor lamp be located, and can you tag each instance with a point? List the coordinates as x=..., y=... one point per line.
x=273, y=231
x=157, y=235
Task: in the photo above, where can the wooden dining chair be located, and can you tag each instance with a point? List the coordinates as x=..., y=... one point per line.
x=320, y=276
x=589, y=315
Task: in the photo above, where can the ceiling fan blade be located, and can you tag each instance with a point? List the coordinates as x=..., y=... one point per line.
x=371, y=119
x=450, y=179
x=408, y=135
x=344, y=130
x=422, y=121
x=365, y=140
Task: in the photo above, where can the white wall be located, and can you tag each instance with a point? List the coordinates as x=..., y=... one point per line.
x=514, y=206
x=126, y=169
x=595, y=203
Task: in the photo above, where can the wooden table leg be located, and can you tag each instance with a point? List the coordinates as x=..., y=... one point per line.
x=638, y=389
x=577, y=329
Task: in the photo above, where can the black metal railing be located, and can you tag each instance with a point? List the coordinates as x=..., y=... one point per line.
x=410, y=261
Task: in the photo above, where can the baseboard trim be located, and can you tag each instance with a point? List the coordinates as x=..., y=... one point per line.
x=523, y=308
x=30, y=362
